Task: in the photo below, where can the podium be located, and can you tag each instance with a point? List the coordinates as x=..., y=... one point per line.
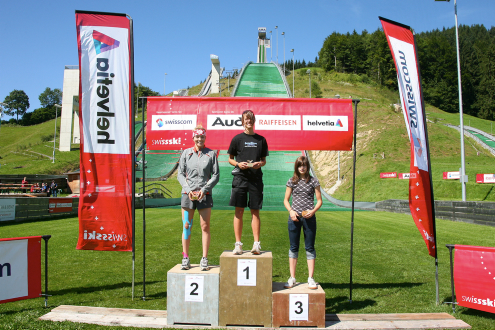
x=193, y=295
x=245, y=289
x=298, y=306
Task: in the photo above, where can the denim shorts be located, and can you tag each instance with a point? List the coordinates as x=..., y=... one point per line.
x=308, y=227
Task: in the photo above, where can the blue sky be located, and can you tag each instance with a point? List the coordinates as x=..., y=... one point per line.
x=177, y=37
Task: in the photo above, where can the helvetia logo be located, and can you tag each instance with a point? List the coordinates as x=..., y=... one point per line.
x=104, y=43
x=339, y=123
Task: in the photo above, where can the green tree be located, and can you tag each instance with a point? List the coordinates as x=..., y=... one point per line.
x=50, y=97
x=315, y=89
x=17, y=103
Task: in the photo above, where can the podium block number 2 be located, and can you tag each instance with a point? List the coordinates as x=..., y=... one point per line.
x=246, y=272
x=194, y=287
x=298, y=307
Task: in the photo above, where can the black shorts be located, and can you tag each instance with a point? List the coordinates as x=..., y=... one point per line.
x=241, y=188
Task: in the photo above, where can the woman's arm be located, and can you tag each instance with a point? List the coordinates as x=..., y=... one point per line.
x=293, y=214
x=215, y=174
x=181, y=173
x=319, y=203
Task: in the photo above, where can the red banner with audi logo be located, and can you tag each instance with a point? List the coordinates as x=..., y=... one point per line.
x=287, y=124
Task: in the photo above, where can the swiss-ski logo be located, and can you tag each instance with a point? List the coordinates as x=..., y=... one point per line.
x=103, y=42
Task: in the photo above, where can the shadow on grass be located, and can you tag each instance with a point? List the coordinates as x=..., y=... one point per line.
x=89, y=289
x=158, y=295
x=369, y=285
x=341, y=304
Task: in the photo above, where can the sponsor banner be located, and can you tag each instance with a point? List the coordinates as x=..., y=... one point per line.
x=451, y=175
x=404, y=176
x=403, y=47
x=20, y=268
x=287, y=124
x=385, y=175
x=485, y=178
x=7, y=209
x=278, y=123
x=474, y=271
x=105, y=205
x=57, y=205
x=173, y=122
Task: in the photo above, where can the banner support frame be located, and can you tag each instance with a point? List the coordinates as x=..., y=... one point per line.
x=452, y=247
x=133, y=146
x=355, y=102
x=46, y=295
x=437, y=294
x=143, y=158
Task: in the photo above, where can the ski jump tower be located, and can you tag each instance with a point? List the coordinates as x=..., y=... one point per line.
x=263, y=44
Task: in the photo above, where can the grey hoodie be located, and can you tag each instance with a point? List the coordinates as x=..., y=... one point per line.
x=198, y=171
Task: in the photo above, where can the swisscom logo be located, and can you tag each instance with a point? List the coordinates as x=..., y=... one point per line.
x=104, y=43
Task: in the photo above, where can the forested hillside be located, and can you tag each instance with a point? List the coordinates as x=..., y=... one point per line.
x=368, y=54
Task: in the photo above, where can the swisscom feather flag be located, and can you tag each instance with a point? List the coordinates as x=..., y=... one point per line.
x=403, y=47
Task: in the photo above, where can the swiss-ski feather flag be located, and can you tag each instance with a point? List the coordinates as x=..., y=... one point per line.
x=402, y=44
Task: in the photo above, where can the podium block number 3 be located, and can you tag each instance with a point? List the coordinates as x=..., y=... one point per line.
x=193, y=289
x=246, y=272
x=298, y=307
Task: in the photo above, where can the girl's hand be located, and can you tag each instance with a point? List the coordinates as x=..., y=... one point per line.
x=293, y=215
x=201, y=195
x=309, y=213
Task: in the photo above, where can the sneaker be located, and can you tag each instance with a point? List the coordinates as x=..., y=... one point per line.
x=312, y=284
x=185, y=264
x=203, y=264
x=238, y=248
x=290, y=283
x=256, y=248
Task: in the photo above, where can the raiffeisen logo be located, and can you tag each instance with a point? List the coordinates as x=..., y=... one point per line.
x=104, y=43
x=159, y=122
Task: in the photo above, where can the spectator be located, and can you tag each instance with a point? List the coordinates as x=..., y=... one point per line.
x=24, y=184
x=53, y=188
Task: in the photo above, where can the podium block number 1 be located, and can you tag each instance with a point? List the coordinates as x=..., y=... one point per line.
x=246, y=272
x=298, y=307
x=194, y=287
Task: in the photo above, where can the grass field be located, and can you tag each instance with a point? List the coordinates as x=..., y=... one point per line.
x=393, y=272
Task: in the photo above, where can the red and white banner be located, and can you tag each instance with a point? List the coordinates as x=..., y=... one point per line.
x=20, y=268
x=59, y=205
x=404, y=176
x=485, y=178
x=387, y=175
x=287, y=124
x=474, y=277
x=105, y=204
x=451, y=175
x=402, y=45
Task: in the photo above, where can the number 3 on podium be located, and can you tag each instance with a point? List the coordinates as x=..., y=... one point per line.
x=298, y=307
